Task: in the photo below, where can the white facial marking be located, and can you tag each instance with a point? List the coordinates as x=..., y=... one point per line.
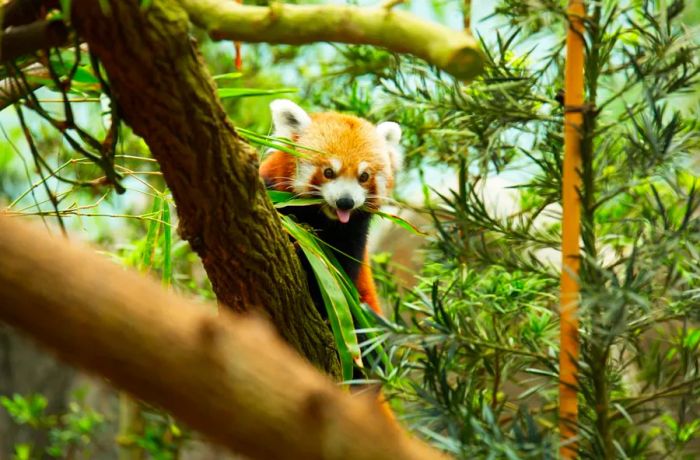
x=341, y=187
x=288, y=118
x=362, y=167
x=336, y=164
x=305, y=172
x=380, y=183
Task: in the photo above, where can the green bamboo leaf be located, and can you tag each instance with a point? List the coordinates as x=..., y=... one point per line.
x=334, y=298
x=270, y=142
x=299, y=202
x=225, y=93
x=228, y=76
x=167, y=245
x=401, y=222
x=64, y=64
x=291, y=146
x=283, y=199
x=361, y=312
x=277, y=196
x=153, y=230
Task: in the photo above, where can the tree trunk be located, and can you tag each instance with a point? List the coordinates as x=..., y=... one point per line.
x=230, y=377
x=165, y=94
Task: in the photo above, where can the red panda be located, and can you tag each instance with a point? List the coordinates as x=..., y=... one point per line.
x=349, y=163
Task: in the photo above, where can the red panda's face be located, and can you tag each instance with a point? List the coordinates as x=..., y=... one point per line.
x=349, y=162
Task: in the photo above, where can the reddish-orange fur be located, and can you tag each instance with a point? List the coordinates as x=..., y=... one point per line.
x=281, y=165
x=276, y=168
x=351, y=147
x=366, y=287
x=352, y=139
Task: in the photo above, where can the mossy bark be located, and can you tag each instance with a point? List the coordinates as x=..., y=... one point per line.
x=454, y=51
x=166, y=95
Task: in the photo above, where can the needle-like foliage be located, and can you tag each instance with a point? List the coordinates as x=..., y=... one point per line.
x=475, y=344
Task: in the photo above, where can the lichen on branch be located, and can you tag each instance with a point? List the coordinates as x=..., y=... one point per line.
x=454, y=51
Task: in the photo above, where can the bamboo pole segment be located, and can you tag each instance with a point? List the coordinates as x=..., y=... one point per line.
x=230, y=377
x=571, y=230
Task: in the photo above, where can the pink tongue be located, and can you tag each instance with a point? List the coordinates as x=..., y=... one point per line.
x=343, y=216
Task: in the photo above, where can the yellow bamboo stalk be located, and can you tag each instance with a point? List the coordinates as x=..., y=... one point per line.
x=571, y=230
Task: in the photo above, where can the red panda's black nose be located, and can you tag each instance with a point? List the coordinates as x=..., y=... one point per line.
x=345, y=203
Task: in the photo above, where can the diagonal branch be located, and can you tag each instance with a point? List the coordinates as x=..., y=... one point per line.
x=454, y=51
x=20, y=40
x=20, y=12
x=230, y=377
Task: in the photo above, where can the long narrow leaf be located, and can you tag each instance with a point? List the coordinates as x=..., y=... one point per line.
x=299, y=202
x=401, y=222
x=167, y=245
x=153, y=229
x=337, y=305
x=228, y=76
x=225, y=93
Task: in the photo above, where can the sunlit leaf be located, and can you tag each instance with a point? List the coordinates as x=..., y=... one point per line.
x=225, y=93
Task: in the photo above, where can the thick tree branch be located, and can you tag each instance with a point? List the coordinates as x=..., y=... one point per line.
x=453, y=51
x=166, y=95
x=21, y=40
x=20, y=12
x=230, y=377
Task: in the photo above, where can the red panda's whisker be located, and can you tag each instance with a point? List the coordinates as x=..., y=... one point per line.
x=304, y=194
x=383, y=199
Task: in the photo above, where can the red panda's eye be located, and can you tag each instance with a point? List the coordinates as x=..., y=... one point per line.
x=364, y=177
x=328, y=173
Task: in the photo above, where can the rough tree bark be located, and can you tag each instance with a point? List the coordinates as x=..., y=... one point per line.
x=165, y=94
x=211, y=372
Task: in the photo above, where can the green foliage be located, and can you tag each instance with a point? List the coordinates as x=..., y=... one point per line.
x=70, y=433
x=161, y=438
x=346, y=315
x=475, y=343
x=469, y=355
x=457, y=340
x=29, y=410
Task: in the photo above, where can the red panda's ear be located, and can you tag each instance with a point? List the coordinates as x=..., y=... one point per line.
x=288, y=118
x=391, y=133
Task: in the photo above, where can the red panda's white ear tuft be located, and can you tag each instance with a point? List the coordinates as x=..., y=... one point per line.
x=391, y=133
x=288, y=118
